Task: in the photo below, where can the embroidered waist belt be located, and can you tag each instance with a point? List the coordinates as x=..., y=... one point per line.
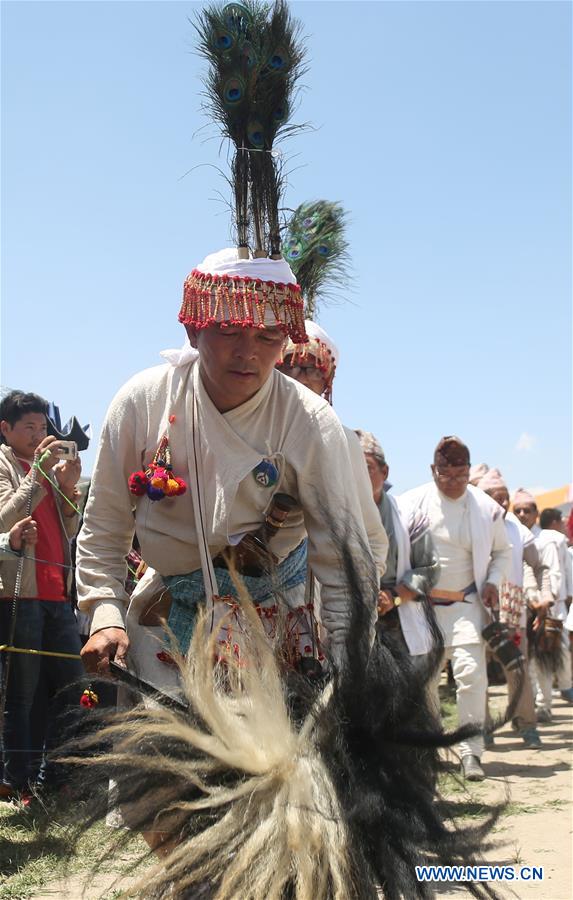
x=440, y=597
x=187, y=591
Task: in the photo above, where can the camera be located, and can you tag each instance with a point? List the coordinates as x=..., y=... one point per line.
x=66, y=450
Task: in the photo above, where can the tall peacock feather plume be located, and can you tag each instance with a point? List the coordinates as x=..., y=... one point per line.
x=316, y=249
x=255, y=58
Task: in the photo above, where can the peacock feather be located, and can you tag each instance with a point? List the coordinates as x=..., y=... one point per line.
x=255, y=58
x=314, y=244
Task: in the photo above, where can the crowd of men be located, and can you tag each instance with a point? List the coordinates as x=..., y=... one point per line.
x=458, y=540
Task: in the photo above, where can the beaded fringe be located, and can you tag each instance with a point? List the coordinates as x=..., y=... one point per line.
x=324, y=360
x=242, y=301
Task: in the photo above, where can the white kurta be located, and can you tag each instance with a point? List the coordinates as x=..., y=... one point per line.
x=469, y=537
x=283, y=422
x=552, y=547
x=519, y=538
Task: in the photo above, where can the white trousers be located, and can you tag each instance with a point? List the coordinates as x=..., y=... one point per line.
x=543, y=681
x=470, y=674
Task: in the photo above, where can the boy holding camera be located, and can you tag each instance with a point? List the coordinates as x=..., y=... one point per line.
x=44, y=618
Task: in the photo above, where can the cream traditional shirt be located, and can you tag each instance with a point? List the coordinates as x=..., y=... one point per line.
x=469, y=537
x=552, y=546
x=284, y=423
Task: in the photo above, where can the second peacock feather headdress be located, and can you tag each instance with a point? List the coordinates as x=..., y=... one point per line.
x=315, y=246
x=255, y=58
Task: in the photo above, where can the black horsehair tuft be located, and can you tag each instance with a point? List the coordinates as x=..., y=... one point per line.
x=277, y=787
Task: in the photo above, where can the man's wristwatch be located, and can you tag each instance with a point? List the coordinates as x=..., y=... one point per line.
x=396, y=597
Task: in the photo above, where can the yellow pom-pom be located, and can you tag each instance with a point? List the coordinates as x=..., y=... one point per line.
x=170, y=486
x=157, y=483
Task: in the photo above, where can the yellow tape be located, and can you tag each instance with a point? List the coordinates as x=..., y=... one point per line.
x=8, y=649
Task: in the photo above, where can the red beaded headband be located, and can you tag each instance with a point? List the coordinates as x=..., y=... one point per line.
x=323, y=357
x=242, y=301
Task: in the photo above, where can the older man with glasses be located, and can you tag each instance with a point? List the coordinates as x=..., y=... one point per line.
x=469, y=536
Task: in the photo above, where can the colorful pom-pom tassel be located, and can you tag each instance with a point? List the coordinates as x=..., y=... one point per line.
x=158, y=480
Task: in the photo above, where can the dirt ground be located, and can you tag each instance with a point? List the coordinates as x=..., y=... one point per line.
x=536, y=831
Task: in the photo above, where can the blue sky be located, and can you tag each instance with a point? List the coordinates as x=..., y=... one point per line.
x=444, y=128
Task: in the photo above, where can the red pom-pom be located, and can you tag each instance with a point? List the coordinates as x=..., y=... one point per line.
x=137, y=483
x=165, y=657
x=182, y=484
x=89, y=699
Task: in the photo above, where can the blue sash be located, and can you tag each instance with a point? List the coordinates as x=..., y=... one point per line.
x=187, y=591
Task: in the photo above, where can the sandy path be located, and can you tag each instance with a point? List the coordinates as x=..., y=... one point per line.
x=537, y=831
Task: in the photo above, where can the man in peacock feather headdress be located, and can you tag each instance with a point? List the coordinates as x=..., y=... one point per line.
x=250, y=779
x=201, y=447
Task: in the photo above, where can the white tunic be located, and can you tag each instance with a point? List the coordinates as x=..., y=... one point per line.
x=519, y=537
x=552, y=546
x=463, y=622
x=283, y=422
x=469, y=537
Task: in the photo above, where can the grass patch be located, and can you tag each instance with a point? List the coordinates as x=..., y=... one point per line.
x=459, y=800
x=448, y=707
x=460, y=809
x=520, y=809
x=36, y=849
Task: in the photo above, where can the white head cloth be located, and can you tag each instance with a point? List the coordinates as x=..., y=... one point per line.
x=182, y=356
x=227, y=262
